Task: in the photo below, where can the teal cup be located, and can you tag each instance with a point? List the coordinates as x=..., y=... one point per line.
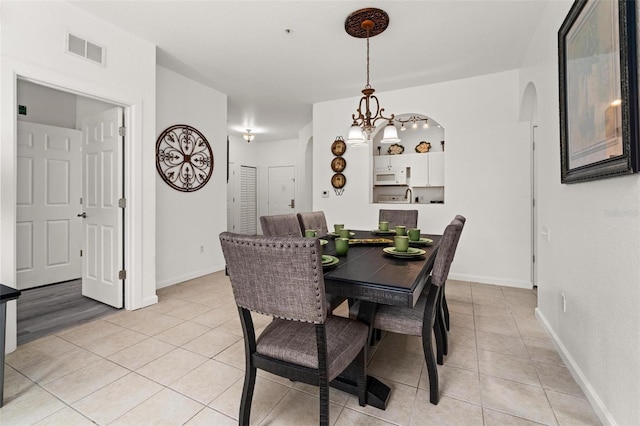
x=414, y=234
x=310, y=233
x=401, y=230
x=342, y=246
x=344, y=233
x=337, y=227
x=383, y=226
x=401, y=243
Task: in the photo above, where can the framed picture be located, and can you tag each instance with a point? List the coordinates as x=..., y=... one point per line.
x=598, y=90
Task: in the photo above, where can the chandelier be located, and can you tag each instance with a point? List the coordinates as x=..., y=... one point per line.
x=368, y=23
x=248, y=136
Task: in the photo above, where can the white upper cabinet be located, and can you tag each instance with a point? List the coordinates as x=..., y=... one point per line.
x=427, y=169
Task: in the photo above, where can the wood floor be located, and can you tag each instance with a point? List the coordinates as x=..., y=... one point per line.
x=46, y=310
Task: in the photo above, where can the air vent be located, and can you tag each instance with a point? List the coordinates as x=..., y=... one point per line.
x=85, y=49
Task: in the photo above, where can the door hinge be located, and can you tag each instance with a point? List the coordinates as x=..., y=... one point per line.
x=80, y=253
x=80, y=200
x=534, y=202
x=122, y=131
x=122, y=203
x=122, y=275
x=534, y=258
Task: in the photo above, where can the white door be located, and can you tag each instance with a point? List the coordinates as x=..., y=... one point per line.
x=282, y=190
x=48, y=200
x=102, y=188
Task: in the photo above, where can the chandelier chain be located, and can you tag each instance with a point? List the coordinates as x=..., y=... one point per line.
x=368, y=85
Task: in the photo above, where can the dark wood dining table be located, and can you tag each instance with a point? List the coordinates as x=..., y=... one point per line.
x=368, y=274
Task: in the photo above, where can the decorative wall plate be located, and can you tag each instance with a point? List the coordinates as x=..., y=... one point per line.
x=184, y=158
x=338, y=164
x=423, y=146
x=338, y=147
x=338, y=180
x=395, y=149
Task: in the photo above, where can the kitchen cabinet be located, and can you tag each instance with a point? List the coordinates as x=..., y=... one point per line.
x=401, y=161
x=427, y=169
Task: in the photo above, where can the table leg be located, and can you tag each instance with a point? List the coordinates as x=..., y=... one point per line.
x=3, y=323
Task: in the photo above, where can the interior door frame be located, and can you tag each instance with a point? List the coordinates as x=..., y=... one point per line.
x=134, y=288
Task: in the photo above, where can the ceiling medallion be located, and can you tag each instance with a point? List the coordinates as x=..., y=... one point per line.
x=184, y=158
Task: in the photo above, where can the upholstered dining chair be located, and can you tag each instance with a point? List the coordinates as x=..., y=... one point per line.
x=281, y=225
x=445, y=307
x=282, y=277
x=313, y=220
x=421, y=319
x=408, y=218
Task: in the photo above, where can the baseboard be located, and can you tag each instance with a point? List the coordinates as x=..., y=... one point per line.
x=189, y=276
x=491, y=280
x=595, y=401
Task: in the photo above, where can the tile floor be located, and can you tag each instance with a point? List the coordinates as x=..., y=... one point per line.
x=181, y=362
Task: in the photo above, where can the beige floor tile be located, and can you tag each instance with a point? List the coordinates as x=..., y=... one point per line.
x=266, y=395
x=117, y=398
x=172, y=366
x=54, y=367
x=109, y=345
x=164, y=408
x=354, y=418
x=274, y=378
x=517, y=399
x=463, y=336
x=557, y=378
x=209, y=417
x=542, y=350
x=29, y=407
x=15, y=384
x=85, y=381
x=211, y=343
x=335, y=395
x=233, y=355
x=495, y=418
x=182, y=333
x=572, y=410
x=167, y=304
x=299, y=409
x=216, y=317
x=189, y=311
x=460, y=307
x=399, y=366
x=84, y=333
x=449, y=411
x=233, y=326
x=207, y=381
x=462, y=356
x=65, y=417
x=508, y=367
x=38, y=351
x=141, y=353
x=530, y=327
x=147, y=322
x=486, y=290
x=496, y=310
x=459, y=291
x=402, y=343
x=502, y=325
x=217, y=300
x=502, y=344
x=458, y=320
x=455, y=382
x=399, y=408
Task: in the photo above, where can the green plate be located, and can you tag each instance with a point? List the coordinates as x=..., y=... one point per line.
x=333, y=234
x=323, y=242
x=411, y=252
x=329, y=260
x=379, y=232
x=422, y=242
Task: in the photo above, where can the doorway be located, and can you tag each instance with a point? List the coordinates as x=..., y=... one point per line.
x=55, y=179
x=282, y=190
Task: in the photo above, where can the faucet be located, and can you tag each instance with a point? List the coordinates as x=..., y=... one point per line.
x=408, y=191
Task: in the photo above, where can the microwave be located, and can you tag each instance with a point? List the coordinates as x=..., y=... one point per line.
x=390, y=177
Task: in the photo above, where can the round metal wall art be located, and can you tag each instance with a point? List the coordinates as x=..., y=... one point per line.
x=184, y=158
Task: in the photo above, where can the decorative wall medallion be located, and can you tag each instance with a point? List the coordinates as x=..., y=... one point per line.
x=338, y=180
x=338, y=164
x=338, y=147
x=184, y=158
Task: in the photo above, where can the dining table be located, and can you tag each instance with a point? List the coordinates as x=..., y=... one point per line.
x=369, y=274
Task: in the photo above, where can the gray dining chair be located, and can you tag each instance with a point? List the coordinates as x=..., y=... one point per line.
x=445, y=307
x=313, y=220
x=282, y=225
x=421, y=319
x=282, y=277
x=408, y=218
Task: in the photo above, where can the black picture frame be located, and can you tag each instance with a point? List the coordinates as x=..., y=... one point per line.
x=598, y=129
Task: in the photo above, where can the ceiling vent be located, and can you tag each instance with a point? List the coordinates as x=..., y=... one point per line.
x=85, y=49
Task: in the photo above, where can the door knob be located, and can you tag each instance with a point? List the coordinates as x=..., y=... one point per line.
x=83, y=215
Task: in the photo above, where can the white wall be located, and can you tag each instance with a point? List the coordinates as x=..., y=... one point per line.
x=593, y=256
x=46, y=105
x=31, y=45
x=486, y=172
x=187, y=221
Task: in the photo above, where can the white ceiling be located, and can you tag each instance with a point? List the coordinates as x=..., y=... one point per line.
x=272, y=77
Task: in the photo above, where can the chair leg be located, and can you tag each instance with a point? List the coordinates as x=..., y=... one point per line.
x=324, y=403
x=442, y=323
x=437, y=331
x=432, y=369
x=361, y=380
x=445, y=310
x=247, y=395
